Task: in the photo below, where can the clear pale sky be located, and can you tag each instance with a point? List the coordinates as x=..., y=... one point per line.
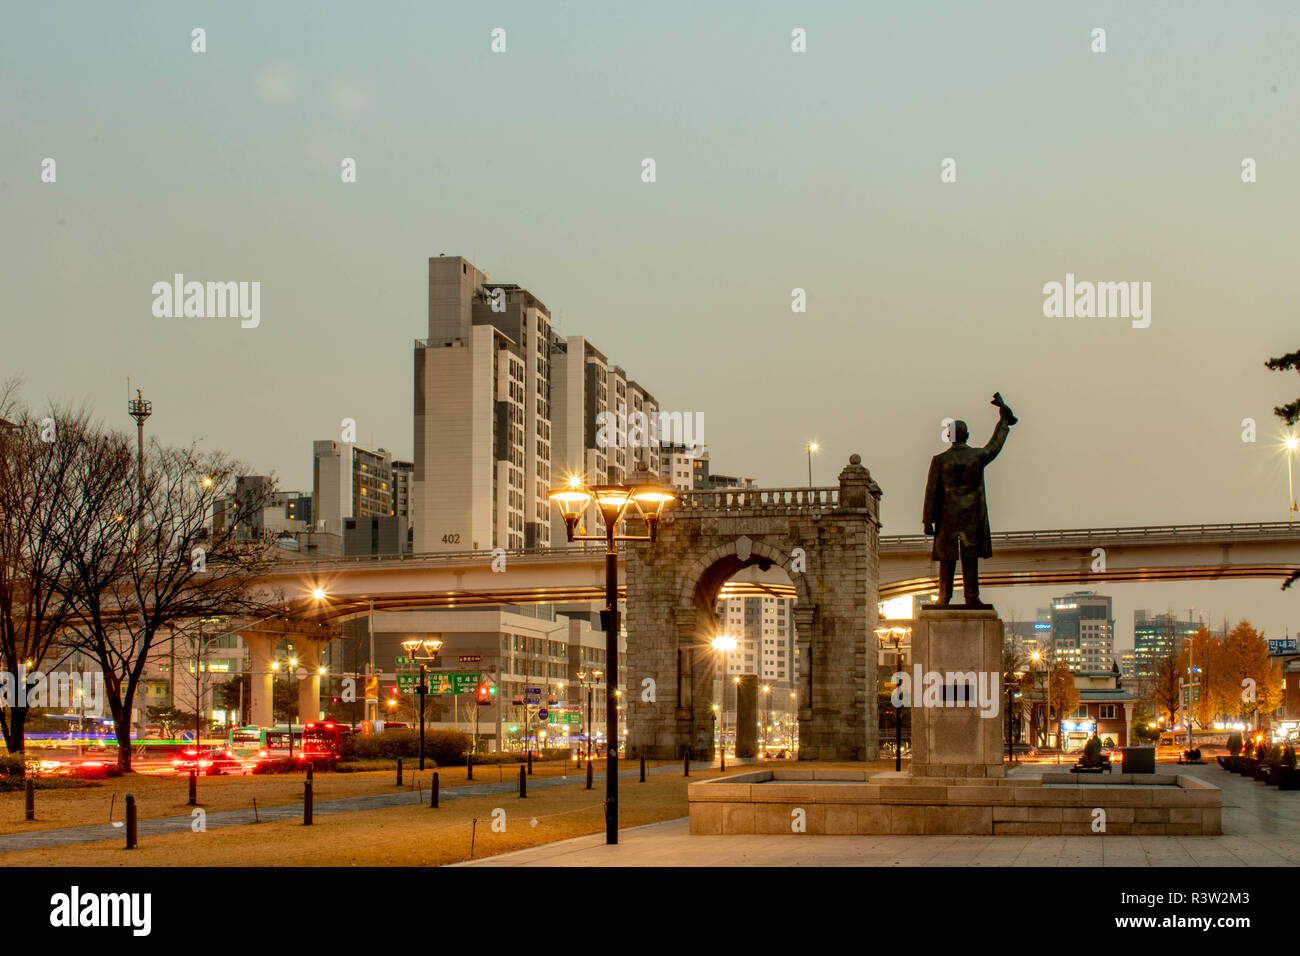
x=775, y=170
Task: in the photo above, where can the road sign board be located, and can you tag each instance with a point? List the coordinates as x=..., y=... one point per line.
x=453, y=682
x=469, y=659
x=401, y=659
x=541, y=714
x=570, y=718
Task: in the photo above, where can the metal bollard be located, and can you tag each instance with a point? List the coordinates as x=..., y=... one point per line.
x=530, y=763
x=31, y=799
x=643, y=768
x=306, y=803
x=131, y=840
x=523, y=783
x=194, y=788
x=311, y=770
x=469, y=766
x=399, y=771
x=588, y=774
x=686, y=764
x=433, y=792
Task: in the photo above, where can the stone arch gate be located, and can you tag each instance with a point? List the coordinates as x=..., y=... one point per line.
x=827, y=540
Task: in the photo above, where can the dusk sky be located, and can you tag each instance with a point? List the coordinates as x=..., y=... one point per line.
x=775, y=170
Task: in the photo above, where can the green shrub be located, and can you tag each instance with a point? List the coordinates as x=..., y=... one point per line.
x=1091, y=752
x=1261, y=753
x=483, y=760
x=12, y=765
x=1274, y=755
x=1288, y=757
x=445, y=747
x=296, y=765
x=1234, y=745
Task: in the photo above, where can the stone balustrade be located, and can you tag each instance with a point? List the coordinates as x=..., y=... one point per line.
x=764, y=500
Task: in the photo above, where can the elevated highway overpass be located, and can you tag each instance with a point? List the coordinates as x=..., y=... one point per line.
x=1077, y=556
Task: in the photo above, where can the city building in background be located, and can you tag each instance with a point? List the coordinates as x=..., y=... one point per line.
x=282, y=513
x=516, y=650
x=1155, y=637
x=482, y=415
x=1083, y=632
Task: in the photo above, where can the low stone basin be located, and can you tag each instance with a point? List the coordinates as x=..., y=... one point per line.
x=809, y=800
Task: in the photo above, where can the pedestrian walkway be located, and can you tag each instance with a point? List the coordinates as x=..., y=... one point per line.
x=1261, y=827
x=69, y=836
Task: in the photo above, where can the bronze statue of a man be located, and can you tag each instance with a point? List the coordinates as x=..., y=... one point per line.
x=955, y=510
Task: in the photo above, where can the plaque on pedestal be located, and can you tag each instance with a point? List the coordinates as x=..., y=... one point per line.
x=956, y=693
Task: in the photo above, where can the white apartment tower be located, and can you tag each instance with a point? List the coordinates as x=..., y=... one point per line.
x=482, y=415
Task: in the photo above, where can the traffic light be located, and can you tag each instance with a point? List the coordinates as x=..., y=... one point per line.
x=487, y=693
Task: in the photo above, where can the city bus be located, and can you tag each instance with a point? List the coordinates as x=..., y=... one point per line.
x=265, y=741
x=321, y=739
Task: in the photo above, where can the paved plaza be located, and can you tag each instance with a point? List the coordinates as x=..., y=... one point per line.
x=1261, y=827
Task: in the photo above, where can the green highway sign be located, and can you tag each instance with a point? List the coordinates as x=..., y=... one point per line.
x=454, y=682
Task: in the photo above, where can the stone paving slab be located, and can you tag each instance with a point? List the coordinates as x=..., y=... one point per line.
x=1261, y=827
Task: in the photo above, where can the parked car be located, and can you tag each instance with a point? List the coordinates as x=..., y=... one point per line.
x=1021, y=749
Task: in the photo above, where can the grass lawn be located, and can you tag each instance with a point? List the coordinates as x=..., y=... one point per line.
x=398, y=836
x=167, y=795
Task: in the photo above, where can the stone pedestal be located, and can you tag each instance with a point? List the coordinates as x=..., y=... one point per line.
x=957, y=694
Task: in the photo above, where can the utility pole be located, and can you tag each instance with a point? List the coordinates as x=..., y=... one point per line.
x=140, y=409
x=370, y=668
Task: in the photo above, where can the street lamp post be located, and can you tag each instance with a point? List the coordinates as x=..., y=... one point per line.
x=767, y=719
x=612, y=501
x=724, y=644
x=896, y=634
x=423, y=651
x=812, y=447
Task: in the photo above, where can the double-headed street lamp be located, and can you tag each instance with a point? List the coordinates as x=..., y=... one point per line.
x=895, y=634
x=612, y=501
x=422, y=651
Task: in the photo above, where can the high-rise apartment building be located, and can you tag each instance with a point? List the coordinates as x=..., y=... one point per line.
x=482, y=415
x=505, y=410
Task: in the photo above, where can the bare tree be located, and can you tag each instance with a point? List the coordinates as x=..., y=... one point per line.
x=156, y=569
x=48, y=465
